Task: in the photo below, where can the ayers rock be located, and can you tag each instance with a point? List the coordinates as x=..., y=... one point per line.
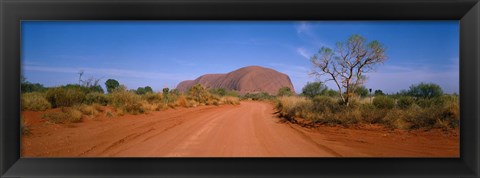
x=250, y=79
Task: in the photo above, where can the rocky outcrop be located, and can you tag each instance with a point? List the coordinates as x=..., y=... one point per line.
x=251, y=79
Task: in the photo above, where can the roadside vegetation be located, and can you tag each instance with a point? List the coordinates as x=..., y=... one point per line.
x=403, y=110
x=423, y=105
x=76, y=102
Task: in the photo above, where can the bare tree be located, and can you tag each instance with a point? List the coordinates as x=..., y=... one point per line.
x=346, y=64
x=80, y=74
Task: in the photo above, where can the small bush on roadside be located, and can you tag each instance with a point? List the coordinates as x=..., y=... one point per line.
x=35, y=102
x=371, y=114
x=258, y=96
x=67, y=115
x=73, y=114
x=383, y=102
x=199, y=94
x=88, y=110
x=324, y=103
x=151, y=97
x=96, y=97
x=291, y=106
x=126, y=102
x=405, y=102
x=65, y=97
x=230, y=100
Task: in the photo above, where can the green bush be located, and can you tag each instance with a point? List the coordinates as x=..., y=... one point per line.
x=325, y=104
x=199, y=94
x=285, y=91
x=95, y=97
x=425, y=90
x=35, y=101
x=371, y=114
x=127, y=102
x=258, y=96
x=291, y=106
x=313, y=89
x=152, y=97
x=383, y=102
x=405, y=102
x=65, y=97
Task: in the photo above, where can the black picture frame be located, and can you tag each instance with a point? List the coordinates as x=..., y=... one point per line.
x=13, y=11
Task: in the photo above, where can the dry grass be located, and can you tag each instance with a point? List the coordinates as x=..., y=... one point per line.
x=35, y=101
x=230, y=100
x=442, y=113
x=126, y=102
x=67, y=115
x=24, y=126
x=88, y=110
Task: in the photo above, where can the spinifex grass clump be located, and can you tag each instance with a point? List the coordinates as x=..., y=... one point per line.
x=402, y=113
x=65, y=97
x=67, y=115
x=35, y=101
x=126, y=102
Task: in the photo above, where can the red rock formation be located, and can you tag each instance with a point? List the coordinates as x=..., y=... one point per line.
x=251, y=79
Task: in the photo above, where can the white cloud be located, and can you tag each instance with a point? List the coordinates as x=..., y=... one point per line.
x=306, y=32
x=302, y=27
x=110, y=72
x=303, y=52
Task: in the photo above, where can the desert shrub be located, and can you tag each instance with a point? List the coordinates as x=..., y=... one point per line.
x=258, y=96
x=218, y=91
x=313, y=89
x=67, y=115
x=143, y=90
x=383, y=102
x=31, y=87
x=150, y=106
x=325, y=103
x=126, y=102
x=291, y=106
x=398, y=119
x=425, y=102
x=405, y=102
x=371, y=114
x=378, y=92
x=96, y=97
x=152, y=97
x=348, y=117
x=199, y=94
x=450, y=111
x=361, y=91
x=74, y=115
x=111, y=85
x=65, y=97
x=182, y=101
x=285, y=91
x=89, y=110
x=55, y=117
x=35, y=101
x=229, y=100
x=425, y=90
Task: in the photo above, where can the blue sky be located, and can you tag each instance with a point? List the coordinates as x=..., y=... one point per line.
x=163, y=53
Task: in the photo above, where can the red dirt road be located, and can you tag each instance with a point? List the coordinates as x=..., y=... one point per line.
x=250, y=129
